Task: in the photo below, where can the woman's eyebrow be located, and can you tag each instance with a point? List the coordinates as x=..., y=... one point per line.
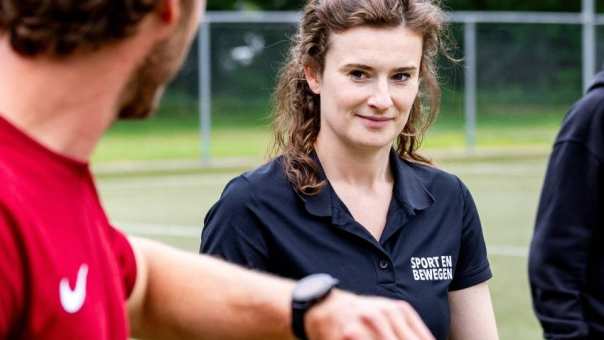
x=406, y=69
x=369, y=68
x=357, y=66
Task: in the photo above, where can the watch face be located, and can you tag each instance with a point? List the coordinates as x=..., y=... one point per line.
x=313, y=286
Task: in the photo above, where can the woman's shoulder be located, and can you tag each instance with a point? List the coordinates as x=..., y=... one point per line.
x=261, y=181
x=243, y=192
x=266, y=172
x=433, y=173
x=438, y=180
x=269, y=175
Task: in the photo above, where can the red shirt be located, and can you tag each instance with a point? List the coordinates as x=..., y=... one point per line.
x=65, y=273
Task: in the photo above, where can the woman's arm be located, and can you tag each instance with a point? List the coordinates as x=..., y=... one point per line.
x=472, y=316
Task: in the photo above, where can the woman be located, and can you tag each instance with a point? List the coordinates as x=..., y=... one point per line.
x=349, y=195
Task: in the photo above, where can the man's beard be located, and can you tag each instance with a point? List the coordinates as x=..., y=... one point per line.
x=144, y=89
x=142, y=94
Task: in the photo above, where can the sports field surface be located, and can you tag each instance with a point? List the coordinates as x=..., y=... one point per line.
x=170, y=207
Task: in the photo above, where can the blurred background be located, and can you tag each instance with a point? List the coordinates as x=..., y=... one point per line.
x=523, y=64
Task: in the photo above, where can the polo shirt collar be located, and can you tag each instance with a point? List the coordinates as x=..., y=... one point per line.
x=408, y=189
x=320, y=203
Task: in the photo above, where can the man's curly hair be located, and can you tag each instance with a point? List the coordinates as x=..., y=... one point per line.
x=60, y=27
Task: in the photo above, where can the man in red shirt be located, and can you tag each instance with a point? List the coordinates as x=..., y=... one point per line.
x=68, y=69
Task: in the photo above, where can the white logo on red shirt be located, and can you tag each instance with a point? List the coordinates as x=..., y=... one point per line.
x=73, y=300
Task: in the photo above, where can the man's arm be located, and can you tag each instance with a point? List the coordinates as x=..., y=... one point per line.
x=559, y=257
x=185, y=296
x=472, y=316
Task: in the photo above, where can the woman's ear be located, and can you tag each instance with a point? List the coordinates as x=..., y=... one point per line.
x=312, y=78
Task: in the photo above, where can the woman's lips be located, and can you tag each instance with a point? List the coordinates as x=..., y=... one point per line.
x=375, y=121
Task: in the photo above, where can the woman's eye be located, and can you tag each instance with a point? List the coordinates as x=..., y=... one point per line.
x=401, y=76
x=357, y=75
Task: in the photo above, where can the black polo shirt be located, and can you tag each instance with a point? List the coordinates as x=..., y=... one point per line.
x=432, y=242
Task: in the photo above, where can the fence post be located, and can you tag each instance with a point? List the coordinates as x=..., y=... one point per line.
x=470, y=84
x=205, y=95
x=589, y=42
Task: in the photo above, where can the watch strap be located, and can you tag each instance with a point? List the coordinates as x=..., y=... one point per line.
x=301, y=306
x=298, y=313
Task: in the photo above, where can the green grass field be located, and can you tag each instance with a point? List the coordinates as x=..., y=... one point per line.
x=171, y=208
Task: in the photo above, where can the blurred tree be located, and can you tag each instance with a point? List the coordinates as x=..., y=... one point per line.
x=222, y=5
x=456, y=5
x=268, y=5
x=513, y=5
x=279, y=4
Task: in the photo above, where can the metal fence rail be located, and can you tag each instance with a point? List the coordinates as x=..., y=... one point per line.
x=587, y=18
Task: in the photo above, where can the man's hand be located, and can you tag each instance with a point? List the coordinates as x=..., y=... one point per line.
x=344, y=316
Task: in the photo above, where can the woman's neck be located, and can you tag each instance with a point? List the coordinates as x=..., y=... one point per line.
x=365, y=167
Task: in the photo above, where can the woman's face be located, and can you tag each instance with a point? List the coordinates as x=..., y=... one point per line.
x=368, y=85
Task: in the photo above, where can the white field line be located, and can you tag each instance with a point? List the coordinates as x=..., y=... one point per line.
x=180, y=181
x=507, y=250
x=143, y=229
x=494, y=169
x=160, y=230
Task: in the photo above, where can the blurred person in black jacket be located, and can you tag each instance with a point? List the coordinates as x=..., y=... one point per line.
x=566, y=262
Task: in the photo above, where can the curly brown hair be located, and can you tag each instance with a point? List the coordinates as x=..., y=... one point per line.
x=59, y=27
x=296, y=122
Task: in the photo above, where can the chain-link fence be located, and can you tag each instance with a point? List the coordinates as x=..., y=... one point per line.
x=524, y=73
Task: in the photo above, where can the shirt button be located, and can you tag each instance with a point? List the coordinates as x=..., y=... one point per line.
x=383, y=264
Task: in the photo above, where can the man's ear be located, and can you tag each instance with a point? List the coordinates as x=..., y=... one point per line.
x=313, y=78
x=169, y=11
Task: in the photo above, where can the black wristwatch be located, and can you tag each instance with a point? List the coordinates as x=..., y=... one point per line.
x=308, y=292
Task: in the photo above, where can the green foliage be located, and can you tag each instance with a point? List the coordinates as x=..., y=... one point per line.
x=221, y=5
x=455, y=5
x=280, y=5
x=513, y=5
x=241, y=77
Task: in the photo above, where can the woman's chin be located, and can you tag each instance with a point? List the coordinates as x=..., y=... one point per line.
x=372, y=144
